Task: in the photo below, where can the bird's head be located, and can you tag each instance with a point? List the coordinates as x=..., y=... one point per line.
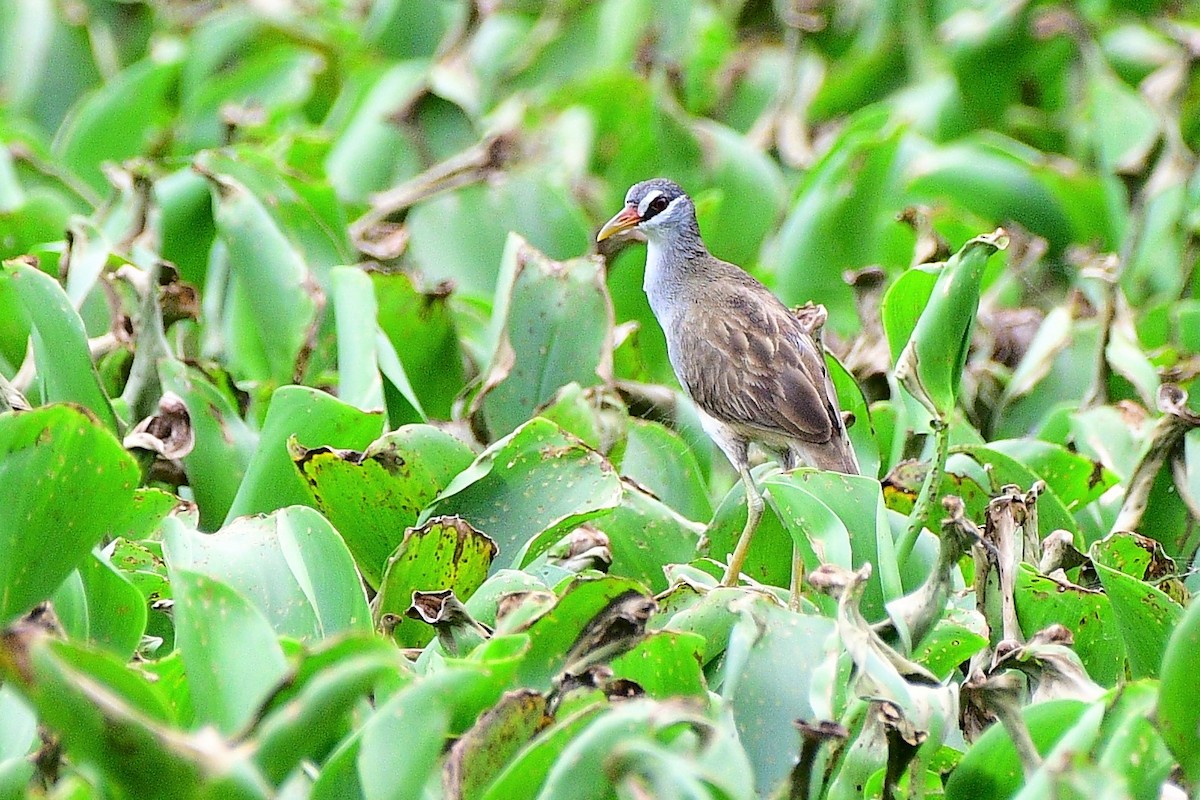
x=658, y=207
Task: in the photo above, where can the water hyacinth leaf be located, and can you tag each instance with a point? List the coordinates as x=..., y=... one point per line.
x=647, y=734
x=767, y=641
x=224, y=442
x=291, y=564
x=644, y=534
x=665, y=664
x=852, y=401
x=371, y=151
x=991, y=767
x=536, y=482
x=421, y=328
x=354, y=309
x=402, y=740
x=54, y=461
x=372, y=497
x=931, y=364
x=554, y=633
x=483, y=751
x=314, y=712
x=443, y=553
x=1178, y=712
x=65, y=372
x=1130, y=745
x=113, y=719
x=1075, y=479
x=462, y=235
x=314, y=419
x=269, y=276
x=229, y=649
x=987, y=467
x=1123, y=125
x=660, y=460
x=1086, y=613
x=98, y=604
x=523, y=776
x=770, y=559
x=554, y=326
x=1145, y=616
x=854, y=186
x=141, y=96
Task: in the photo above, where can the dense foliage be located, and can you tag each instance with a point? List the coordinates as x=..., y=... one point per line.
x=336, y=463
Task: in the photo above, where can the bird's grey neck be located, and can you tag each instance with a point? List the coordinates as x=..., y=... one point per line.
x=669, y=257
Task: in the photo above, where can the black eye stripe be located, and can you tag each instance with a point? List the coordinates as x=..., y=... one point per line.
x=656, y=206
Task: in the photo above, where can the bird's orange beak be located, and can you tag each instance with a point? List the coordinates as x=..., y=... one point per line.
x=625, y=219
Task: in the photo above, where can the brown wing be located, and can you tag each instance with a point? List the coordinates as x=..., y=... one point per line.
x=744, y=359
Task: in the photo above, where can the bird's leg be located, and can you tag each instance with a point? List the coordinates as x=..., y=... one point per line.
x=754, y=510
x=797, y=578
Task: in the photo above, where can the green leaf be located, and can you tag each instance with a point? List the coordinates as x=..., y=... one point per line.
x=660, y=460
x=553, y=323
x=444, y=553
x=224, y=447
x=931, y=364
x=314, y=419
x=644, y=535
x=60, y=347
x=1178, y=711
x=55, y=461
x=422, y=331
x=372, y=497
x=354, y=309
x=665, y=664
x=291, y=564
x=1086, y=613
x=506, y=493
x=769, y=641
x=229, y=649
x=484, y=750
x=140, y=96
x=98, y=604
x=269, y=278
x=990, y=768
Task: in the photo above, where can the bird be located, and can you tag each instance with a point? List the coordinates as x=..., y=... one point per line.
x=754, y=372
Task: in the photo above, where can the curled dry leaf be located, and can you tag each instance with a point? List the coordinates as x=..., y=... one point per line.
x=458, y=632
x=168, y=433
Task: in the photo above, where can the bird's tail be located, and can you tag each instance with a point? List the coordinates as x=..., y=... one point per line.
x=836, y=455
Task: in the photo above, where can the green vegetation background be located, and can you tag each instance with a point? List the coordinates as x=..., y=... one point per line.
x=300, y=314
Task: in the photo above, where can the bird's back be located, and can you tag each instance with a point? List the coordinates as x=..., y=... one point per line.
x=747, y=362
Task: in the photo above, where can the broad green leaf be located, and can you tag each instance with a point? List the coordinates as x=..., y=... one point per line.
x=553, y=633
x=269, y=277
x=769, y=641
x=60, y=348
x=660, y=460
x=371, y=151
x=931, y=364
x=1075, y=479
x=229, y=649
x=990, y=768
x=372, y=497
x=315, y=711
x=54, y=463
x=314, y=419
x=444, y=553
x=354, y=309
x=291, y=564
x=524, y=775
x=1178, y=711
x=530, y=488
x=485, y=749
x=112, y=719
x=98, y=604
x=644, y=535
x=141, y=97
x=665, y=664
x=224, y=443
x=1087, y=613
x=402, y=740
x=855, y=186
x=422, y=331
x=553, y=323
x=461, y=235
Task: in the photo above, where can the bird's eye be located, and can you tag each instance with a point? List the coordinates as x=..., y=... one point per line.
x=657, y=205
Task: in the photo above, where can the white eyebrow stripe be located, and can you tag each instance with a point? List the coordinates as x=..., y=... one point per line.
x=646, y=201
